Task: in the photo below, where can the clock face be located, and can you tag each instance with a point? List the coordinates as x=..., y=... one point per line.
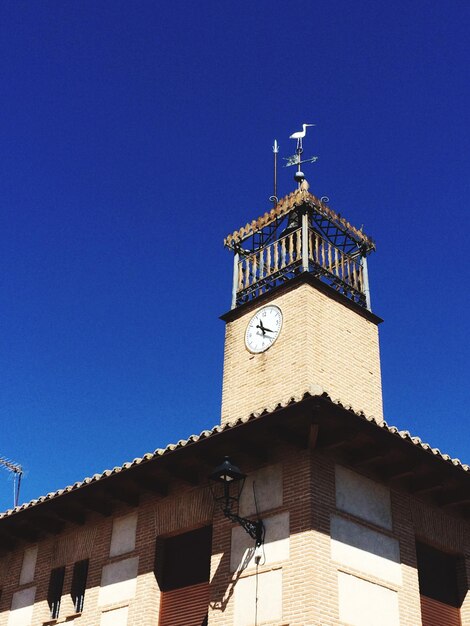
x=263, y=329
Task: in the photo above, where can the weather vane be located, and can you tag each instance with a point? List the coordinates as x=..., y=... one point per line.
x=296, y=159
x=274, y=199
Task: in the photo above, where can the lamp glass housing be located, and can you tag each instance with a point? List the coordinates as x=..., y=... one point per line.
x=226, y=484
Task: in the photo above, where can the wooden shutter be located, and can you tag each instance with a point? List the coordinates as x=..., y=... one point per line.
x=79, y=577
x=435, y=613
x=186, y=606
x=54, y=595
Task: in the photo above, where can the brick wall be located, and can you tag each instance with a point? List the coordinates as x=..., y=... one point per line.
x=310, y=573
x=323, y=342
x=93, y=541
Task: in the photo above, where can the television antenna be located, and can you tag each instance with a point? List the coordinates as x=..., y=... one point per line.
x=17, y=473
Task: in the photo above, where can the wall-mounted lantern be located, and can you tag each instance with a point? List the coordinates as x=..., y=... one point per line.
x=226, y=483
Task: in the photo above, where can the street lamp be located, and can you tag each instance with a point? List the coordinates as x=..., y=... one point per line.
x=226, y=483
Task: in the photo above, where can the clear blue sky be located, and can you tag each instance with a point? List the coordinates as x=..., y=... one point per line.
x=135, y=135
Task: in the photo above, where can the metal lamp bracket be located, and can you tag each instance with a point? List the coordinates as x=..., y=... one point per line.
x=254, y=528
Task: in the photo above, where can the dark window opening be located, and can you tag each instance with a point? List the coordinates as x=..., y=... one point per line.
x=438, y=574
x=56, y=583
x=182, y=569
x=184, y=560
x=79, y=578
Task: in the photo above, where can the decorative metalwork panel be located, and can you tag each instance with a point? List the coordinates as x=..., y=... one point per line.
x=301, y=234
x=277, y=262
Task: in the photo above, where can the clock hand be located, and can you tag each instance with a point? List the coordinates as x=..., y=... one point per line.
x=264, y=329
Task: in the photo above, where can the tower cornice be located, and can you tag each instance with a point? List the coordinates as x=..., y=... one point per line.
x=304, y=277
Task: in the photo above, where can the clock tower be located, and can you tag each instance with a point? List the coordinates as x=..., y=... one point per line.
x=301, y=318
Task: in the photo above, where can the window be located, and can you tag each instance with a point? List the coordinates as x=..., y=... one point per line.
x=182, y=568
x=29, y=565
x=123, y=535
x=56, y=583
x=438, y=586
x=79, y=577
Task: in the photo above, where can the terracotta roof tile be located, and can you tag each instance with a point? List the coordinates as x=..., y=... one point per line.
x=314, y=391
x=285, y=205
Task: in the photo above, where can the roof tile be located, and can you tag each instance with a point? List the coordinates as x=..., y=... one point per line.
x=309, y=393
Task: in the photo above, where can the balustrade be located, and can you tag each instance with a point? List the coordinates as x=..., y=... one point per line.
x=285, y=255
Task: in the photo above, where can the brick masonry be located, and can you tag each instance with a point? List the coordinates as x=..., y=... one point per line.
x=309, y=576
x=323, y=342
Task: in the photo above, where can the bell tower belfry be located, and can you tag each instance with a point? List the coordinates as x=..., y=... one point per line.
x=301, y=316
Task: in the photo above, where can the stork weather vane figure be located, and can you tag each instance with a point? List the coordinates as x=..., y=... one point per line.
x=300, y=135
x=296, y=159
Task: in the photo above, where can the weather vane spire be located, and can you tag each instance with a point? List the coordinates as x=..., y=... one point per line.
x=296, y=159
x=274, y=199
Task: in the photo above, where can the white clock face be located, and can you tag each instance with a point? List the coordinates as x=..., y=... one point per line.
x=263, y=329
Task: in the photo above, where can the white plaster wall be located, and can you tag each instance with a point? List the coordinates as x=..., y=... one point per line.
x=363, y=497
x=115, y=617
x=362, y=603
x=269, y=599
x=123, y=535
x=275, y=548
x=366, y=550
x=29, y=565
x=268, y=489
x=118, y=581
x=22, y=605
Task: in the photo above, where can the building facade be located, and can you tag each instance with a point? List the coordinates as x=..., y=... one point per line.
x=361, y=524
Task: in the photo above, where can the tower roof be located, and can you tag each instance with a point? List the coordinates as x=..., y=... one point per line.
x=295, y=200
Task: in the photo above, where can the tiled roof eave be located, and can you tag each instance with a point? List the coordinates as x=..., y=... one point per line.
x=314, y=392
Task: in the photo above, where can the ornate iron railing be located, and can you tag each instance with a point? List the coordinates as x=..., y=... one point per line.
x=293, y=253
